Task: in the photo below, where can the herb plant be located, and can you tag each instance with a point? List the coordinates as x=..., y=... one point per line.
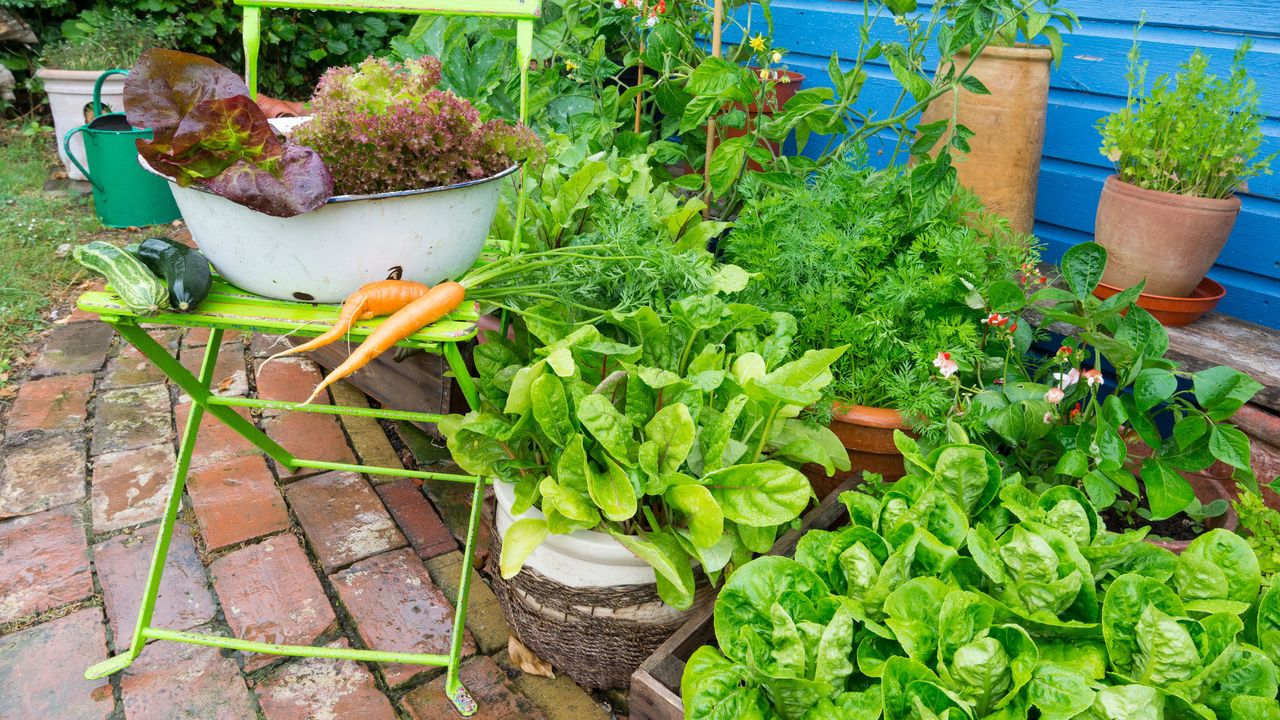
x=1260, y=525
x=676, y=433
x=207, y=131
x=1195, y=135
x=860, y=260
x=384, y=127
x=1062, y=426
x=961, y=595
x=1019, y=21
x=108, y=38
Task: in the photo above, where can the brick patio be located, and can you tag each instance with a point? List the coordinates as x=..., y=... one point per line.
x=86, y=457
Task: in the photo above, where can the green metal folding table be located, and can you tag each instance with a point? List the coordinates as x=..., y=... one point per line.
x=230, y=308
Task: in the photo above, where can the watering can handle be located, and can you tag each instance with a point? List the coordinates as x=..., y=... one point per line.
x=97, y=91
x=66, y=146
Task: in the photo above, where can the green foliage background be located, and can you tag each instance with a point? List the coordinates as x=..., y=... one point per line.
x=297, y=45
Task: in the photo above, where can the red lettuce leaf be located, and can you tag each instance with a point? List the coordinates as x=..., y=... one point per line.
x=206, y=130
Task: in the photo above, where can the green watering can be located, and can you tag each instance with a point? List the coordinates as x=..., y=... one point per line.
x=124, y=194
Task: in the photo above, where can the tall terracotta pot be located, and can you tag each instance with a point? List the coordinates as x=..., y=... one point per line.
x=1169, y=240
x=1003, y=163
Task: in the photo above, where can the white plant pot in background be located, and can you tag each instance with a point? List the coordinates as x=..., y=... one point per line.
x=326, y=254
x=69, y=92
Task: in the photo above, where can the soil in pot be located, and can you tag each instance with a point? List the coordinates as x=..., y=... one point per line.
x=1168, y=240
x=1177, y=532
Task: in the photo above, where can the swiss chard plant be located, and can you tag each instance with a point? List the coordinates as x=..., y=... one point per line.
x=1065, y=425
x=960, y=594
x=676, y=433
x=206, y=130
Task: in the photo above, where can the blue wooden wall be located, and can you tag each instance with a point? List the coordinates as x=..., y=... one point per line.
x=1089, y=84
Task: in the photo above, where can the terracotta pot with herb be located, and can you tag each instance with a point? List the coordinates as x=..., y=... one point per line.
x=1181, y=150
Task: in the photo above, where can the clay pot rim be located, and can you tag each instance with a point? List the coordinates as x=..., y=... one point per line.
x=1021, y=52
x=1214, y=289
x=1230, y=205
x=867, y=415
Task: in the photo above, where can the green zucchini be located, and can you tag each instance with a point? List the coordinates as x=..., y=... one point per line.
x=141, y=291
x=184, y=270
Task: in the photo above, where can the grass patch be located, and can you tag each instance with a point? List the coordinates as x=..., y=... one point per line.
x=33, y=225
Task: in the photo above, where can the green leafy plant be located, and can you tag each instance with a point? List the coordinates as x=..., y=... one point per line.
x=1195, y=135
x=1062, y=427
x=676, y=433
x=1261, y=527
x=382, y=127
x=960, y=594
x=859, y=259
x=108, y=38
x=1018, y=22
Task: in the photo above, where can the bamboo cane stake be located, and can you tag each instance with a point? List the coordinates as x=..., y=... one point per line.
x=717, y=21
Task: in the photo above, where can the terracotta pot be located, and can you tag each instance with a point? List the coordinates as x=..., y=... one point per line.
x=867, y=433
x=782, y=93
x=1003, y=163
x=1168, y=240
x=1207, y=490
x=1174, y=311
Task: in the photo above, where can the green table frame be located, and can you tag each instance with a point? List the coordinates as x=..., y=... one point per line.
x=229, y=308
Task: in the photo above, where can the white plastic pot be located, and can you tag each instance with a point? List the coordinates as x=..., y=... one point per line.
x=69, y=92
x=327, y=254
x=581, y=559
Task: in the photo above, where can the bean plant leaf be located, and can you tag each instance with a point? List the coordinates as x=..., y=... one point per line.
x=1168, y=492
x=1082, y=267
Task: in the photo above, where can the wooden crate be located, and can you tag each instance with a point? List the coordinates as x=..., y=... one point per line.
x=655, y=686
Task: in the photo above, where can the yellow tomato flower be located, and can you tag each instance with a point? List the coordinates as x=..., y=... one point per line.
x=570, y=66
x=777, y=56
x=757, y=43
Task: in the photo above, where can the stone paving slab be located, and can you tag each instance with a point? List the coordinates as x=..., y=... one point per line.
x=131, y=487
x=44, y=563
x=42, y=473
x=184, y=600
x=42, y=670
x=270, y=593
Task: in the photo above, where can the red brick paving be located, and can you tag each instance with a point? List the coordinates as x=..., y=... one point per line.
x=489, y=687
x=122, y=562
x=323, y=689
x=131, y=418
x=131, y=487
x=289, y=379
x=199, y=337
x=50, y=404
x=41, y=473
x=396, y=607
x=74, y=348
x=427, y=533
x=310, y=436
x=42, y=675
x=230, y=374
x=216, y=443
x=44, y=563
x=236, y=501
x=131, y=368
x=172, y=680
x=270, y=593
x=343, y=518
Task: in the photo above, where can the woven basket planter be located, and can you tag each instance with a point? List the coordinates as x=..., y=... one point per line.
x=584, y=603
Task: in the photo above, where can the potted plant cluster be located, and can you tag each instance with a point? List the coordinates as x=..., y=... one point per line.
x=1003, y=100
x=960, y=593
x=1137, y=440
x=97, y=41
x=389, y=171
x=640, y=458
x=859, y=260
x=1182, y=150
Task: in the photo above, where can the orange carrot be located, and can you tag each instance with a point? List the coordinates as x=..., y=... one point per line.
x=430, y=307
x=374, y=299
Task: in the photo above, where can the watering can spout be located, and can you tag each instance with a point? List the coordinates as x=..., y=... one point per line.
x=124, y=194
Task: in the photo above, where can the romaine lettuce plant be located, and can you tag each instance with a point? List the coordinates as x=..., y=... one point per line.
x=961, y=594
x=676, y=433
x=206, y=130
